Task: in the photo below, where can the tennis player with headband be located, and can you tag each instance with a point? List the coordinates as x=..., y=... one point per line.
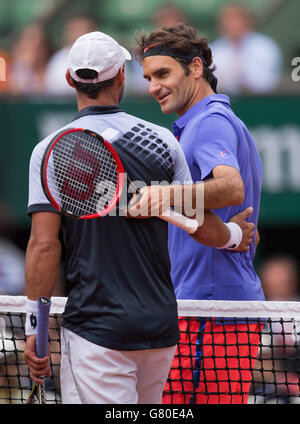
x=120, y=328
x=221, y=152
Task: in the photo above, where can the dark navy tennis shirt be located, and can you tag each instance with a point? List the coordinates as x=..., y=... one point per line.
x=118, y=269
x=210, y=135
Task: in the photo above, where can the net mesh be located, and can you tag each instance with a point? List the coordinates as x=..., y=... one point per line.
x=229, y=352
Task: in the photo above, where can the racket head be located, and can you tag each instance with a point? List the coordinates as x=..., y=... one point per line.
x=81, y=174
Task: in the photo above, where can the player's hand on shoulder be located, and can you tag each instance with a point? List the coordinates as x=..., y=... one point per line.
x=248, y=229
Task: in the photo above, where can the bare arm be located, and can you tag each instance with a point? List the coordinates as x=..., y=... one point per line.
x=43, y=255
x=213, y=232
x=41, y=269
x=226, y=188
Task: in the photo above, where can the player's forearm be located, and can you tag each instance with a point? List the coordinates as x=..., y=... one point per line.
x=41, y=267
x=223, y=191
x=213, y=232
x=212, y=194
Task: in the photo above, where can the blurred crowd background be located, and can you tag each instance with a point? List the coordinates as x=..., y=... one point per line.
x=254, y=45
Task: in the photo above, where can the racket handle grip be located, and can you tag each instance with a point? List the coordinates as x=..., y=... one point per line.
x=44, y=304
x=188, y=224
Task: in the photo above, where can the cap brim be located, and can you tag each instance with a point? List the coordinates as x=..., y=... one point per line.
x=126, y=52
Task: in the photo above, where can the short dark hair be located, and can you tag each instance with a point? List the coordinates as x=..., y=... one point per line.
x=181, y=39
x=91, y=90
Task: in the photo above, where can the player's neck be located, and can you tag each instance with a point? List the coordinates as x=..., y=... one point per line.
x=201, y=91
x=104, y=99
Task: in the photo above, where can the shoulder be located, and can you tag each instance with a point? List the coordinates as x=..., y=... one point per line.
x=162, y=132
x=215, y=117
x=216, y=124
x=40, y=148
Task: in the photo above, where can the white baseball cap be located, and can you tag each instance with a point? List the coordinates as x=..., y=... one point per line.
x=99, y=52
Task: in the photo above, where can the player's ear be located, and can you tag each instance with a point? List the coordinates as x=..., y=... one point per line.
x=69, y=78
x=197, y=67
x=122, y=74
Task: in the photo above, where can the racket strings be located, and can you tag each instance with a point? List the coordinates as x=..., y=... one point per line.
x=82, y=174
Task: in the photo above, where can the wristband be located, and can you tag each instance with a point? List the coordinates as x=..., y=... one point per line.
x=31, y=317
x=235, y=238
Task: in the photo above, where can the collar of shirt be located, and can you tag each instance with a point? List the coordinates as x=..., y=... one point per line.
x=97, y=110
x=199, y=107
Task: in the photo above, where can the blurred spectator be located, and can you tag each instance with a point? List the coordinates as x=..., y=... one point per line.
x=75, y=26
x=246, y=60
x=168, y=14
x=12, y=259
x=4, y=69
x=278, y=363
x=280, y=278
x=165, y=15
x=28, y=61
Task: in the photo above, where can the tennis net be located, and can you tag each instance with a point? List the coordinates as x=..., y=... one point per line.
x=229, y=352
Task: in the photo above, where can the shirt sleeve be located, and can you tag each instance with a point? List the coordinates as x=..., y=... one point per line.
x=216, y=144
x=37, y=201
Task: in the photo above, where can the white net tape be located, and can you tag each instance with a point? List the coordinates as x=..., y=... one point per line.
x=194, y=308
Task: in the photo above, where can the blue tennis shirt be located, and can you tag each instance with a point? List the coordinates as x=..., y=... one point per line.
x=210, y=135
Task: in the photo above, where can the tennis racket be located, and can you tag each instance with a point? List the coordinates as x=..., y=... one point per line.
x=37, y=394
x=82, y=176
